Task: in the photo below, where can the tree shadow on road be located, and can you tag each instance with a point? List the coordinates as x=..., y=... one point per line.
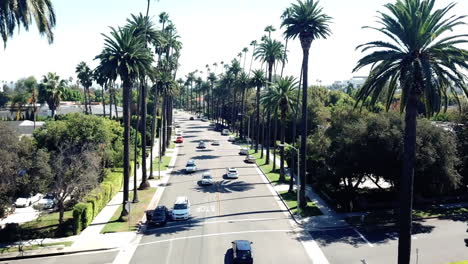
x=205, y=157
x=225, y=186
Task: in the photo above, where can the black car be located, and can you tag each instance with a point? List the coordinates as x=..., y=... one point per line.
x=242, y=252
x=158, y=216
x=191, y=118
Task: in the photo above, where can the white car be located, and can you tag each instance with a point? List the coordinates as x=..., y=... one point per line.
x=178, y=133
x=225, y=132
x=27, y=200
x=47, y=202
x=231, y=173
x=215, y=143
x=204, y=119
x=231, y=139
x=190, y=167
x=207, y=179
x=201, y=145
x=181, y=210
x=244, y=151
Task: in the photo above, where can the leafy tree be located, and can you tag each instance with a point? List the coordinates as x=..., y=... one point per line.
x=51, y=90
x=307, y=21
x=4, y=99
x=426, y=65
x=17, y=13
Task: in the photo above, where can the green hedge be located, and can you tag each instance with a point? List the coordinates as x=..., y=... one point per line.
x=95, y=201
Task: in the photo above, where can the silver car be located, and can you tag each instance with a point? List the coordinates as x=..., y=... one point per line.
x=231, y=173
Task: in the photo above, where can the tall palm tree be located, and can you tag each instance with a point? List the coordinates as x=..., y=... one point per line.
x=245, y=50
x=127, y=55
x=269, y=51
x=31, y=86
x=258, y=80
x=212, y=79
x=269, y=29
x=254, y=44
x=243, y=82
x=102, y=80
x=308, y=22
x=421, y=59
x=52, y=88
x=235, y=69
x=17, y=13
x=285, y=15
x=85, y=76
x=282, y=96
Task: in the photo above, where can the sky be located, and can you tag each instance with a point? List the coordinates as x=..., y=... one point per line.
x=210, y=30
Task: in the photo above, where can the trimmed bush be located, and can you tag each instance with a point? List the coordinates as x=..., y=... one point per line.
x=95, y=201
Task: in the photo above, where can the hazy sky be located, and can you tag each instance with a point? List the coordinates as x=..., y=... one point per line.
x=211, y=31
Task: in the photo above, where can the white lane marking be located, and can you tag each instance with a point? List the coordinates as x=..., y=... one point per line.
x=217, y=222
x=217, y=234
x=310, y=246
x=168, y=255
x=363, y=238
x=206, y=209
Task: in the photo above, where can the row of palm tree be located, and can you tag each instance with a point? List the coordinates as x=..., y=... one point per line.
x=419, y=58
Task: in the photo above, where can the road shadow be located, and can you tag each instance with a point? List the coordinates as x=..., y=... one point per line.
x=188, y=137
x=191, y=131
x=173, y=227
x=205, y=157
x=225, y=186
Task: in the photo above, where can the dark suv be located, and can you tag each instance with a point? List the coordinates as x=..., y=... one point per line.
x=158, y=216
x=242, y=252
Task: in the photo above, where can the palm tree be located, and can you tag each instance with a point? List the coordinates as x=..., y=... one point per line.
x=308, y=22
x=258, y=80
x=254, y=44
x=52, y=88
x=17, y=13
x=282, y=96
x=102, y=80
x=269, y=51
x=245, y=50
x=243, y=83
x=212, y=79
x=235, y=69
x=31, y=86
x=422, y=60
x=85, y=75
x=269, y=29
x=285, y=15
x=127, y=55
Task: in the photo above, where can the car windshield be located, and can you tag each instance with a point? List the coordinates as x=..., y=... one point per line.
x=206, y=176
x=232, y=170
x=49, y=196
x=243, y=253
x=190, y=165
x=180, y=206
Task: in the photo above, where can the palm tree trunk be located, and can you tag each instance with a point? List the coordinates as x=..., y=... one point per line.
x=115, y=105
x=135, y=147
x=126, y=160
x=293, y=165
x=275, y=134
x=89, y=101
x=103, y=102
x=164, y=125
x=242, y=114
x=267, y=160
x=257, y=106
x=407, y=175
x=284, y=63
x=283, y=129
x=263, y=137
x=153, y=133
x=303, y=163
x=144, y=180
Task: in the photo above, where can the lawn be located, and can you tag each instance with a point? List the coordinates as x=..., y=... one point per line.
x=291, y=201
x=136, y=213
x=461, y=262
x=164, y=163
x=273, y=176
x=34, y=247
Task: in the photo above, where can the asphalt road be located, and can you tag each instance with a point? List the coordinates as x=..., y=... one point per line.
x=226, y=211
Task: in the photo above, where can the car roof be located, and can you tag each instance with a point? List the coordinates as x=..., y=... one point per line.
x=232, y=169
x=206, y=173
x=160, y=208
x=242, y=244
x=181, y=200
x=190, y=161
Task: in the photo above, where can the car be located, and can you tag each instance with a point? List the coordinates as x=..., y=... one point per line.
x=158, y=216
x=47, y=202
x=190, y=167
x=198, y=116
x=191, y=118
x=231, y=173
x=242, y=252
x=249, y=159
x=212, y=124
x=207, y=179
x=225, y=132
x=179, y=139
x=177, y=125
x=201, y=145
x=215, y=143
x=244, y=151
x=204, y=119
x=27, y=200
x=231, y=139
x=181, y=210
x=178, y=133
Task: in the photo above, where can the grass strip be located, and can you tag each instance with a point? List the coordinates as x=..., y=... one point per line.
x=273, y=175
x=291, y=200
x=34, y=247
x=137, y=211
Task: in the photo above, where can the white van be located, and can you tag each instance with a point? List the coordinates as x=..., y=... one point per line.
x=181, y=210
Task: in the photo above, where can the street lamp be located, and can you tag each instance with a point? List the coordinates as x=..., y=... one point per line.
x=298, y=183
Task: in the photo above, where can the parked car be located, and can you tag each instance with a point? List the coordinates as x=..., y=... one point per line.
x=215, y=143
x=225, y=132
x=158, y=216
x=47, y=202
x=191, y=118
x=201, y=145
x=181, y=210
x=27, y=200
x=179, y=139
x=244, y=151
x=207, y=179
x=231, y=173
x=249, y=159
x=231, y=139
x=204, y=119
x=190, y=167
x=242, y=252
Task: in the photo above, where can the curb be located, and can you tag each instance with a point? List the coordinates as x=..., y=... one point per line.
x=55, y=254
x=281, y=198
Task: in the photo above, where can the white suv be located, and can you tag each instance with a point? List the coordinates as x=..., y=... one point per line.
x=207, y=179
x=190, y=167
x=231, y=173
x=181, y=210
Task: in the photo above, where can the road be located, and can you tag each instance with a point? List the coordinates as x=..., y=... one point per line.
x=228, y=210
